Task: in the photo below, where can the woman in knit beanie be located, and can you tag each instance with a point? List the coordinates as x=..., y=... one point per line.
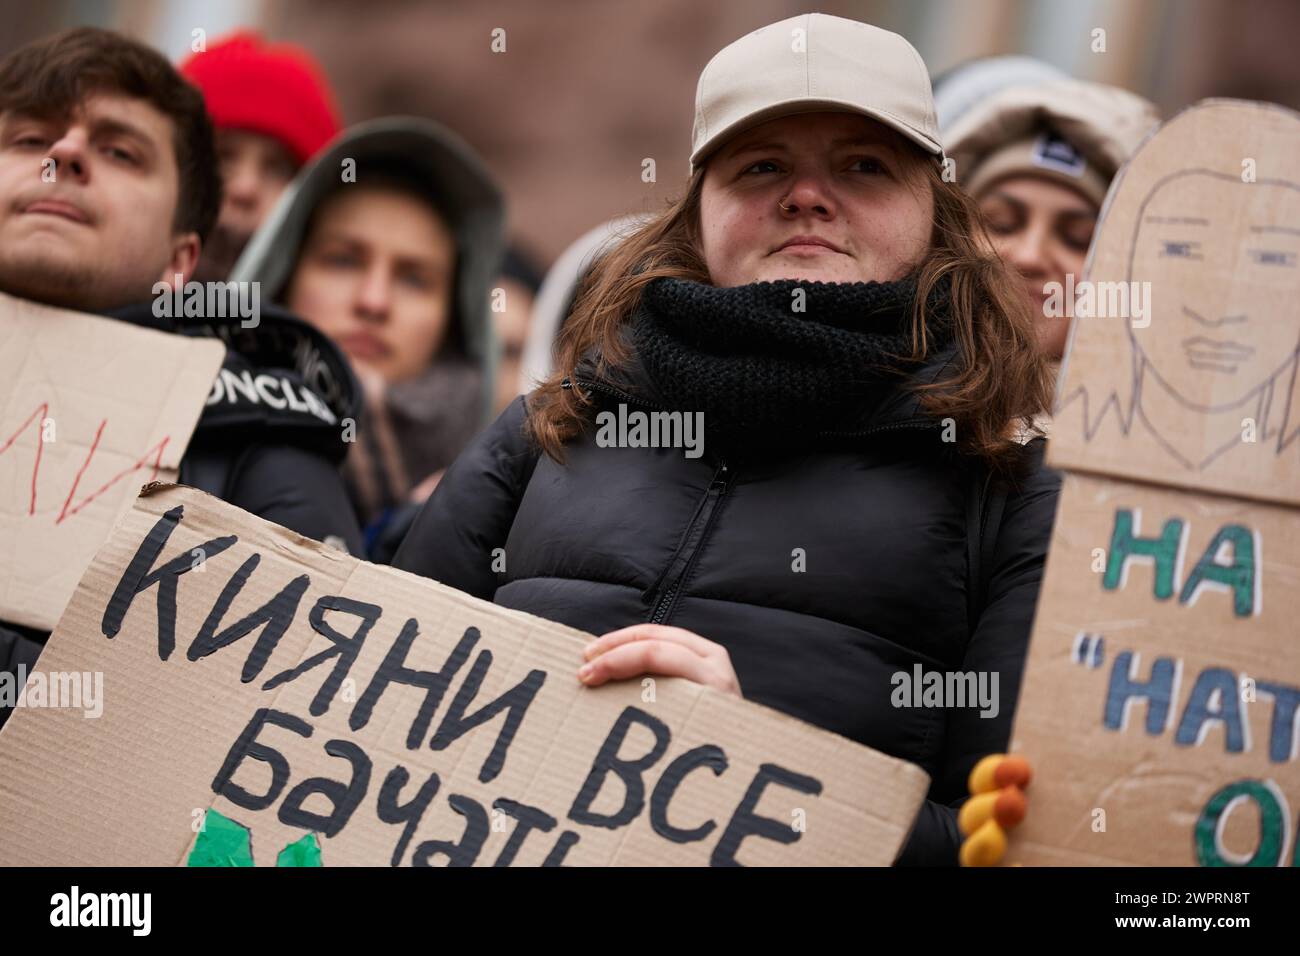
x=1038, y=159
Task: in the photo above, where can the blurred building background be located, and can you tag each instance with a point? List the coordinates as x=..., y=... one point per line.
x=586, y=90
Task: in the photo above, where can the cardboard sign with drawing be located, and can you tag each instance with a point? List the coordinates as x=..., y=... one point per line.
x=1161, y=696
x=91, y=410
x=270, y=701
x=1201, y=391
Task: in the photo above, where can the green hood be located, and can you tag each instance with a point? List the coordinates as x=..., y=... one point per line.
x=471, y=203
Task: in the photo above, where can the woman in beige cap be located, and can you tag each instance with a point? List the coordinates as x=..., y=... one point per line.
x=773, y=457
x=1038, y=159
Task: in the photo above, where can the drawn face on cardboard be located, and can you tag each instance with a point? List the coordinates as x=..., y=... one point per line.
x=1195, y=389
x=1222, y=256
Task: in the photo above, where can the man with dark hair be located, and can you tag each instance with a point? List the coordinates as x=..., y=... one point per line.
x=108, y=186
x=106, y=170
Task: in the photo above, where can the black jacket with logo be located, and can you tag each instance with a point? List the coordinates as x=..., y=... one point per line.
x=276, y=426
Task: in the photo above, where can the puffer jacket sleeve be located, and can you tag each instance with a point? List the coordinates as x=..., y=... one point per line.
x=296, y=488
x=470, y=513
x=998, y=646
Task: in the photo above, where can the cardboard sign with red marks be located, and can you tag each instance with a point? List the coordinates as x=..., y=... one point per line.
x=90, y=410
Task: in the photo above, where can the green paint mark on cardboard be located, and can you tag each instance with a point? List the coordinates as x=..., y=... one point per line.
x=304, y=852
x=221, y=842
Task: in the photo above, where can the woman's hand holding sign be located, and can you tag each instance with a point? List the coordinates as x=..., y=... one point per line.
x=660, y=650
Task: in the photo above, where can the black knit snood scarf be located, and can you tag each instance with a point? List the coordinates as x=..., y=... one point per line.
x=781, y=359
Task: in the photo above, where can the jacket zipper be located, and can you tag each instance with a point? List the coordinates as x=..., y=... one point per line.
x=679, y=565
x=888, y=426
x=610, y=390
x=692, y=542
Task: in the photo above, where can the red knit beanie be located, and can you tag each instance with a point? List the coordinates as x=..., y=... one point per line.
x=278, y=90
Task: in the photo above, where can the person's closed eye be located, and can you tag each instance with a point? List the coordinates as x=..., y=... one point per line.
x=341, y=260
x=1077, y=233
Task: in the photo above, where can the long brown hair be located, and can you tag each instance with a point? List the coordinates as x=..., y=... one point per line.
x=1001, y=380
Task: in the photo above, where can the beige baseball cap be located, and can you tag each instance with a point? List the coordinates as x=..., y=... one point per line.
x=808, y=64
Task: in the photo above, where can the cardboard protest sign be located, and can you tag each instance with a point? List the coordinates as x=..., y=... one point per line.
x=1182, y=364
x=91, y=409
x=270, y=701
x=1159, y=704
x=1160, y=698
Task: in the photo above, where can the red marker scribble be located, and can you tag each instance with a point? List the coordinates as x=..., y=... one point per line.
x=156, y=451
x=41, y=410
x=68, y=510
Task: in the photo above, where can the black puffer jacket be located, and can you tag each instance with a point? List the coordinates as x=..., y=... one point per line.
x=272, y=435
x=617, y=536
x=269, y=440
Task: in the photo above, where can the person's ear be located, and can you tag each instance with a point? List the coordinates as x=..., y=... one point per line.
x=185, y=256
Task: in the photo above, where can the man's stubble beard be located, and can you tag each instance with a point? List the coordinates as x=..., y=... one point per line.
x=66, y=284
